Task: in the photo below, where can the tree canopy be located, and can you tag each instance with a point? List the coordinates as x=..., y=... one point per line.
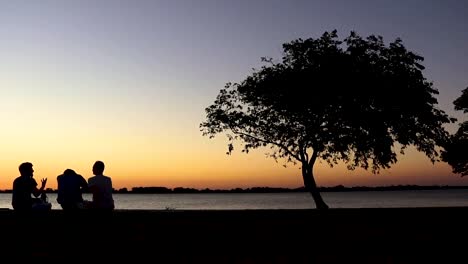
x=331, y=99
x=456, y=151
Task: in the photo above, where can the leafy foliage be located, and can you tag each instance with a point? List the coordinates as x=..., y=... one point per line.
x=455, y=153
x=348, y=100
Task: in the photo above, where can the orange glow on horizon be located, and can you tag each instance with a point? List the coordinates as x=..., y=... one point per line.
x=236, y=171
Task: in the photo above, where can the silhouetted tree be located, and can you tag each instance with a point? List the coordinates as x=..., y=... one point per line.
x=456, y=151
x=349, y=100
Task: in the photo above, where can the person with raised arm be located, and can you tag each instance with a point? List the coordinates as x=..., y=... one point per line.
x=24, y=186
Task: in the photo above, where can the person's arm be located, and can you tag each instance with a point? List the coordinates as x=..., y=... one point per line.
x=83, y=184
x=59, y=189
x=37, y=192
x=91, y=185
x=111, y=190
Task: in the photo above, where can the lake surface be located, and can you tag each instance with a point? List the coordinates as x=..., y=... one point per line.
x=220, y=201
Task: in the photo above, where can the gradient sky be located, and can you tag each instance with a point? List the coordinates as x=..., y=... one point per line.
x=127, y=82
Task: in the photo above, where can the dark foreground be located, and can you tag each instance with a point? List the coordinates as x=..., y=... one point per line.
x=417, y=235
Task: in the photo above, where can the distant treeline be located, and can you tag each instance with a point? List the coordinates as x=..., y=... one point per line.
x=206, y=190
x=338, y=188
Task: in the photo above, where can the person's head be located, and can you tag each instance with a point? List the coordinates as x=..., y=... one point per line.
x=69, y=172
x=98, y=167
x=26, y=169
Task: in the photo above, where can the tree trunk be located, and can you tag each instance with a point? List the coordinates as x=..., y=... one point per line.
x=311, y=186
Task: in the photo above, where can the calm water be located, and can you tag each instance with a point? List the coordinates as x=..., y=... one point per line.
x=372, y=199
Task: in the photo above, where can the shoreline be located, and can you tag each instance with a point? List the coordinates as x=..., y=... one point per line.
x=267, y=189
x=367, y=235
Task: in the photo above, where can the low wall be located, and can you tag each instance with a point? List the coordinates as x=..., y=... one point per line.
x=390, y=235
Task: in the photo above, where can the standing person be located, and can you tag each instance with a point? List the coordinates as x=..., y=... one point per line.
x=70, y=190
x=101, y=188
x=24, y=186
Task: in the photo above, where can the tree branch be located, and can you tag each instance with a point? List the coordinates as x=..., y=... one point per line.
x=269, y=142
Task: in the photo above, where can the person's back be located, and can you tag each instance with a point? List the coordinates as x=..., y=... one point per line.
x=22, y=189
x=70, y=188
x=101, y=188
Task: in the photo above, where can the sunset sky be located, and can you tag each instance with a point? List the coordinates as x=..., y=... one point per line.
x=127, y=82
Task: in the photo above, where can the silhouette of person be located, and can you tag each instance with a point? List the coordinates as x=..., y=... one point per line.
x=101, y=188
x=70, y=190
x=24, y=186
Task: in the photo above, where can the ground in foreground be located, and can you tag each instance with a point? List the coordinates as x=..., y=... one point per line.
x=390, y=235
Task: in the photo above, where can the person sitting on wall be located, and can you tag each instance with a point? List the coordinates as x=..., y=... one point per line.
x=101, y=188
x=24, y=186
x=71, y=187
